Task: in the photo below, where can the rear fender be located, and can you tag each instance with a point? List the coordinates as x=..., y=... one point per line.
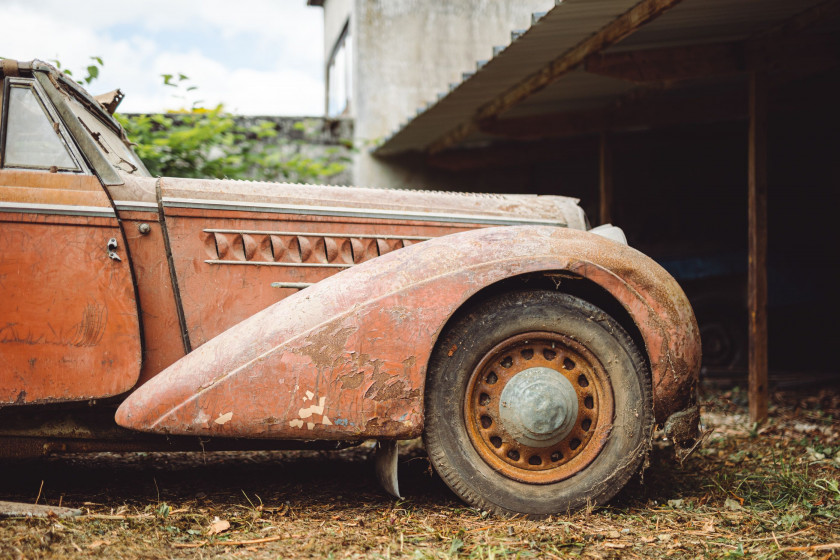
x=346, y=358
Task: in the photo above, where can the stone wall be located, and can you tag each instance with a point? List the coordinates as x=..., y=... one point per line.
x=316, y=138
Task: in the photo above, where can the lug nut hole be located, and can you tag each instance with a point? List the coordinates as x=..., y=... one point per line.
x=574, y=444
x=568, y=364
x=486, y=422
x=491, y=378
x=506, y=362
x=583, y=381
x=534, y=460
x=527, y=354
x=496, y=441
x=556, y=456
x=484, y=399
x=586, y=424
x=589, y=402
x=549, y=354
x=513, y=455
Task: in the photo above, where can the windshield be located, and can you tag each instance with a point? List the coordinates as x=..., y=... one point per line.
x=109, y=143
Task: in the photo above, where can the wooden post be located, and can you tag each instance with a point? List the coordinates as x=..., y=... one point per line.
x=605, y=187
x=757, y=267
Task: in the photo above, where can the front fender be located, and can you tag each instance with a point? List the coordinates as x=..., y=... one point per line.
x=346, y=358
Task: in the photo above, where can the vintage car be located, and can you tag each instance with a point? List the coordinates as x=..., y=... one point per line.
x=533, y=354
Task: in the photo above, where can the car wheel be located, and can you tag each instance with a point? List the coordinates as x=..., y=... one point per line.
x=537, y=403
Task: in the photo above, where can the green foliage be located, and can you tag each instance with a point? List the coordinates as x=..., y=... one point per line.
x=209, y=143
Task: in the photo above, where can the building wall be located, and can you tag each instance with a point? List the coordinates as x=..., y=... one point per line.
x=406, y=52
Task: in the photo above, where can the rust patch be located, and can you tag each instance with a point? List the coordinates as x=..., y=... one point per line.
x=384, y=426
x=452, y=350
x=409, y=363
x=379, y=380
x=382, y=390
x=352, y=380
x=324, y=347
x=393, y=391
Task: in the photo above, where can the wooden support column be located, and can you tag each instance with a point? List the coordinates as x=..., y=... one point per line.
x=757, y=267
x=605, y=183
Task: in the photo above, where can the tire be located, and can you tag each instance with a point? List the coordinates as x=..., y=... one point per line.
x=502, y=429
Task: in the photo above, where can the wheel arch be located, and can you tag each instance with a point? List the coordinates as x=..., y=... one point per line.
x=586, y=288
x=559, y=280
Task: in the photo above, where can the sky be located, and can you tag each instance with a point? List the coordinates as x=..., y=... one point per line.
x=265, y=57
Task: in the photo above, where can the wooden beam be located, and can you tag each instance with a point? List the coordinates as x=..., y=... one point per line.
x=673, y=63
x=605, y=183
x=612, y=33
x=499, y=156
x=757, y=266
x=629, y=113
x=825, y=11
x=785, y=47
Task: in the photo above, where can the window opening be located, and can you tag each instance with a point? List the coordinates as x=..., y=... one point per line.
x=340, y=76
x=33, y=139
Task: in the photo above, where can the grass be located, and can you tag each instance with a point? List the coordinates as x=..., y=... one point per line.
x=749, y=492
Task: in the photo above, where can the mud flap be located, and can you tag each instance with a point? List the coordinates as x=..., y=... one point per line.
x=386, y=466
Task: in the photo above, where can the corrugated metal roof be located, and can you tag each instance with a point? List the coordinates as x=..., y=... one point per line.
x=561, y=29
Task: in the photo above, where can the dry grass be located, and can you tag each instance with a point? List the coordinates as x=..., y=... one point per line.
x=766, y=493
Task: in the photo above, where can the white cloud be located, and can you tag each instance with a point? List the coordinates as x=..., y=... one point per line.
x=285, y=32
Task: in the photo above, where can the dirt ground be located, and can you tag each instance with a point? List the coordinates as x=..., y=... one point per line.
x=770, y=492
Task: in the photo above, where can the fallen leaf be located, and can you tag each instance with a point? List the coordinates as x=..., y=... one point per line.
x=97, y=544
x=732, y=505
x=218, y=526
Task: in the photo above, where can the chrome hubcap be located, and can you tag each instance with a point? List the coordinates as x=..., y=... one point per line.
x=538, y=407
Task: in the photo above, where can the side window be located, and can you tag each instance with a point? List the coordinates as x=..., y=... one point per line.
x=32, y=137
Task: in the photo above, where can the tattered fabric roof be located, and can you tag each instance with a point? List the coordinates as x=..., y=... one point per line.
x=588, y=54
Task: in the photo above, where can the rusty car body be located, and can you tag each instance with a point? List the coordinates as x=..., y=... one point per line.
x=534, y=356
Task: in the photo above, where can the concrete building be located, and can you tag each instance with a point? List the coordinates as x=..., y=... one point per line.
x=384, y=59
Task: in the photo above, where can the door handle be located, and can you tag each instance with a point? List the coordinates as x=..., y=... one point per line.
x=112, y=247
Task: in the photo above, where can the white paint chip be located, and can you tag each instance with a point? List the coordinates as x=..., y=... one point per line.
x=326, y=421
x=223, y=418
x=201, y=418
x=310, y=425
x=309, y=395
x=314, y=409
x=296, y=423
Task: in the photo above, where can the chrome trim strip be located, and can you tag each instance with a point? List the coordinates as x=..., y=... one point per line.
x=132, y=206
x=272, y=263
x=58, y=209
x=292, y=285
x=351, y=212
x=331, y=235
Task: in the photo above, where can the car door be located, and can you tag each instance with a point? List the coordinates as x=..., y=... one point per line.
x=69, y=327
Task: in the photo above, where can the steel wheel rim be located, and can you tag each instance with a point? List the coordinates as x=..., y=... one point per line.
x=499, y=447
